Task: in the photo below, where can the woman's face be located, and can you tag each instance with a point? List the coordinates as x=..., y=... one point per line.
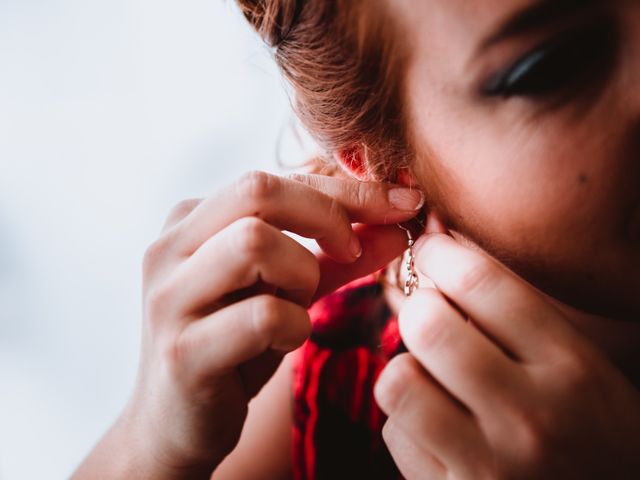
x=526, y=118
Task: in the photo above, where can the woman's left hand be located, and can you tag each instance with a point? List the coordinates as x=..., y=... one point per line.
x=514, y=392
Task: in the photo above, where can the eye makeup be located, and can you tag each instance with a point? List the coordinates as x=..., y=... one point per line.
x=573, y=57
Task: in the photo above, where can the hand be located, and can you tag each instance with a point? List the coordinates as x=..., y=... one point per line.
x=225, y=297
x=498, y=384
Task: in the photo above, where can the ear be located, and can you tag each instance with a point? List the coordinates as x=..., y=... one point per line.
x=404, y=177
x=352, y=160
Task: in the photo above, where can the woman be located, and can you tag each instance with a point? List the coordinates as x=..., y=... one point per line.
x=515, y=126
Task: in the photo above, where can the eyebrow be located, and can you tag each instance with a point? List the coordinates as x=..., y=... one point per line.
x=538, y=15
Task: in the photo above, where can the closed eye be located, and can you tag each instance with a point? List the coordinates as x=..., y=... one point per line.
x=567, y=60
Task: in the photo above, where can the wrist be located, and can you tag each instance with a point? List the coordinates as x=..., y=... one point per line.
x=126, y=451
x=150, y=452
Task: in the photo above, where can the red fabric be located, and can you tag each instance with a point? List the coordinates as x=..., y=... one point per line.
x=337, y=424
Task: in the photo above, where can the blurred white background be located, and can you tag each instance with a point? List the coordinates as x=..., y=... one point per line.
x=111, y=111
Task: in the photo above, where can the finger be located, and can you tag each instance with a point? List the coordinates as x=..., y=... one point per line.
x=373, y=203
x=380, y=245
x=297, y=207
x=413, y=461
x=247, y=252
x=458, y=355
x=160, y=255
x=430, y=417
x=180, y=211
x=504, y=306
x=238, y=333
x=256, y=372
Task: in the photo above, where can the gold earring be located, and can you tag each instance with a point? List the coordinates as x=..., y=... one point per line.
x=411, y=283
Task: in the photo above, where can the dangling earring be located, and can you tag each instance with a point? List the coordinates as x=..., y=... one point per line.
x=411, y=283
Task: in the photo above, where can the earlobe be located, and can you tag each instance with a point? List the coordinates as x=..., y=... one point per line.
x=405, y=178
x=353, y=161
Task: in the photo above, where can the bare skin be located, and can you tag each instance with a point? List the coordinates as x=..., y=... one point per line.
x=537, y=245
x=225, y=297
x=545, y=178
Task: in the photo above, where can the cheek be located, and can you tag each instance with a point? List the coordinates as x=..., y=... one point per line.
x=550, y=197
x=549, y=193
x=518, y=188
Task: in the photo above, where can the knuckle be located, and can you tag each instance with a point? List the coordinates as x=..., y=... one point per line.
x=425, y=299
x=418, y=315
x=293, y=328
x=532, y=444
x=257, y=187
x=157, y=302
x=478, y=277
x=178, y=359
x=576, y=374
x=253, y=237
x=312, y=180
x=175, y=355
x=267, y=315
x=183, y=208
x=336, y=213
x=531, y=439
x=362, y=194
x=389, y=432
x=300, y=177
x=432, y=333
x=153, y=255
x=390, y=389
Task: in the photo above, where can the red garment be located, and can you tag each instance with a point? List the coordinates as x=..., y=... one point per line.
x=337, y=423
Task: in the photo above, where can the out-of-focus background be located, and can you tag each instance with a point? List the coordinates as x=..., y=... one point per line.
x=111, y=111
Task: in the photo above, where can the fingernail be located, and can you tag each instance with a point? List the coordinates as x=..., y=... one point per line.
x=406, y=198
x=355, y=247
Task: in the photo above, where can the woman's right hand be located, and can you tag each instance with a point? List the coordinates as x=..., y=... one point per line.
x=225, y=297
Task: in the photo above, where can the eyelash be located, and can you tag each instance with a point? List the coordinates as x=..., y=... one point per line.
x=558, y=64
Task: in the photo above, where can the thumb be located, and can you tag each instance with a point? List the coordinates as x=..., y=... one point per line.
x=380, y=245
